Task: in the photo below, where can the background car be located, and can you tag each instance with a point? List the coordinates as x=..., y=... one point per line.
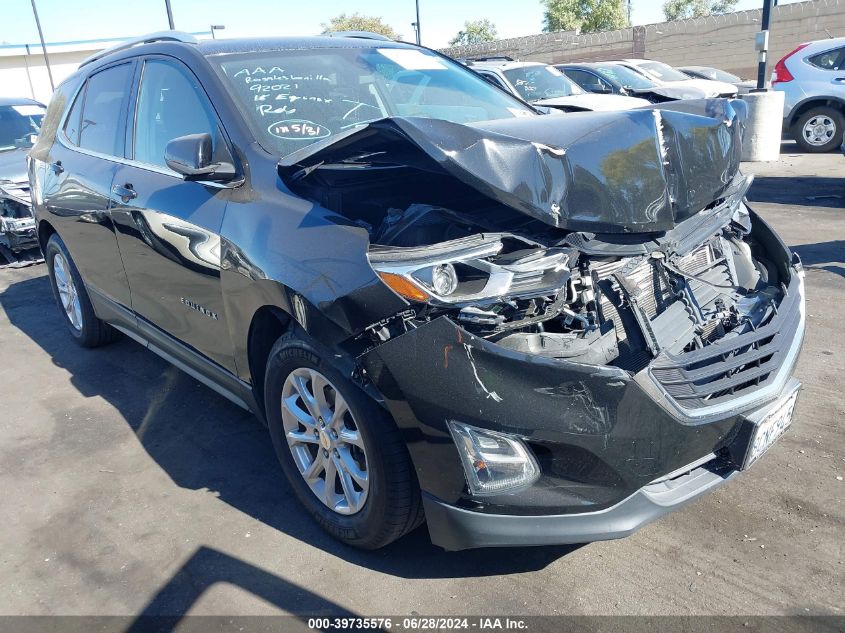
x=20, y=123
x=812, y=78
x=743, y=86
x=614, y=78
x=544, y=85
x=665, y=74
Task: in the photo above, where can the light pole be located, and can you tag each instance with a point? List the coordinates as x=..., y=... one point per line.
x=169, y=15
x=43, y=47
x=762, y=45
x=417, y=24
x=216, y=27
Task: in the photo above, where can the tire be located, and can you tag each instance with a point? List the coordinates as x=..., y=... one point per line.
x=391, y=506
x=827, y=120
x=84, y=326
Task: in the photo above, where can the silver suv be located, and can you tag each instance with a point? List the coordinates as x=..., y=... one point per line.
x=812, y=77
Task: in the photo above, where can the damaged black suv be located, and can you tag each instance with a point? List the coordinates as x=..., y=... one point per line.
x=524, y=329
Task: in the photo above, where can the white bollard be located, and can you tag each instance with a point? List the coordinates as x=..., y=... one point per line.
x=761, y=141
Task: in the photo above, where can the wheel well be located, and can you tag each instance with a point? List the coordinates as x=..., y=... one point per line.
x=45, y=230
x=815, y=103
x=268, y=324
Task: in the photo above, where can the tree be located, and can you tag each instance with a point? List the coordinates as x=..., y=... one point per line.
x=358, y=22
x=475, y=32
x=587, y=15
x=681, y=9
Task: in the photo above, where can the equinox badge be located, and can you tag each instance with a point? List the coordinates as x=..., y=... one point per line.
x=195, y=306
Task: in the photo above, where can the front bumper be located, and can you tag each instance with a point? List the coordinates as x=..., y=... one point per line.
x=615, y=450
x=455, y=528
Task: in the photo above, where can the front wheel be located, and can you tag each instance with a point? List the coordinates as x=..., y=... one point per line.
x=72, y=298
x=819, y=129
x=341, y=452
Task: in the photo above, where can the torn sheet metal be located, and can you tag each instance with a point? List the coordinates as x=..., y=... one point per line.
x=641, y=170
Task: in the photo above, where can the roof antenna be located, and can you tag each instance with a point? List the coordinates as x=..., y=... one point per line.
x=829, y=36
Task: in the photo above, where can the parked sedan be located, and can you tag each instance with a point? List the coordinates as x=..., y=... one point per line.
x=743, y=86
x=544, y=85
x=666, y=75
x=615, y=78
x=522, y=329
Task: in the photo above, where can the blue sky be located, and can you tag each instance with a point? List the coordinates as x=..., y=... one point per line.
x=64, y=20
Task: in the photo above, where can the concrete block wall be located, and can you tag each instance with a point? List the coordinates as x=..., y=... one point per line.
x=725, y=41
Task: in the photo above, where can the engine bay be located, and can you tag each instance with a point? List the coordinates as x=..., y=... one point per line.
x=553, y=300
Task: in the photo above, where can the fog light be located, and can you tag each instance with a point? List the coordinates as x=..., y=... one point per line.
x=493, y=462
x=444, y=280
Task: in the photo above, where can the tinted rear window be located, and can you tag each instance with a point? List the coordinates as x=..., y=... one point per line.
x=829, y=60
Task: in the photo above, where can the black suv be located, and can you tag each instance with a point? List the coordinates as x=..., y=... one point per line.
x=522, y=328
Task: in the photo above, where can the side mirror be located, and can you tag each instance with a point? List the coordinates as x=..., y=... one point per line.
x=191, y=156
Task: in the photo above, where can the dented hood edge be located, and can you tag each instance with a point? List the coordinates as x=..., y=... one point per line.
x=636, y=171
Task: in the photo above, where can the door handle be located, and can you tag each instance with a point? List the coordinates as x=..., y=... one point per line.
x=839, y=80
x=126, y=192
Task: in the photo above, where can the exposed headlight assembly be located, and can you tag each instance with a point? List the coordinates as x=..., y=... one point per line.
x=472, y=270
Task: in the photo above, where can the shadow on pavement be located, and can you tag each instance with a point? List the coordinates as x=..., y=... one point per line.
x=829, y=256
x=807, y=191
x=203, y=441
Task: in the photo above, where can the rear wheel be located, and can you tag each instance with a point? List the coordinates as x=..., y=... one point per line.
x=72, y=298
x=819, y=129
x=341, y=452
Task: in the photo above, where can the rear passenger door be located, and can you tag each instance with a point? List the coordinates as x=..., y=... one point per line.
x=168, y=228
x=85, y=158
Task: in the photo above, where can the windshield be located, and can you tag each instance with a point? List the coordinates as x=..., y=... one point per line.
x=626, y=77
x=18, y=124
x=717, y=75
x=293, y=98
x=663, y=72
x=541, y=82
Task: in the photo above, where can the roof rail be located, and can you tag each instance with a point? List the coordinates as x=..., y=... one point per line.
x=492, y=58
x=159, y=36
x=364, y=35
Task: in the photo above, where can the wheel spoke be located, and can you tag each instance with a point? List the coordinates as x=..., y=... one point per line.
x=298, y=437
x=350, y=436
x=350, y=467
x=315, y=468
x=340, y=410
x=303, y=417
x=352, y=495
x=302, y=388
x=318, y=385
x=328, y=491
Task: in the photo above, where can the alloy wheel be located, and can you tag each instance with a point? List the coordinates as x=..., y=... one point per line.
x=324, y=441
x=819, y=129
x=68, y=294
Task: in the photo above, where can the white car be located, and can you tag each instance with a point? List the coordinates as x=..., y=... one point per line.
x=543, y=85
x=665, y=74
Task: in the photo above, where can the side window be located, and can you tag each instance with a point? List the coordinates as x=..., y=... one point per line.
x=74, y=118
x=829, y=60
x=170, y=104
x=588, y=81
x=101, y=129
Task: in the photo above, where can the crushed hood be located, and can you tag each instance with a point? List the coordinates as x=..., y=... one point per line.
x=641, y=170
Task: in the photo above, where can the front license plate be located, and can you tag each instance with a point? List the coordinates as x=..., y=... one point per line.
x=770, y=428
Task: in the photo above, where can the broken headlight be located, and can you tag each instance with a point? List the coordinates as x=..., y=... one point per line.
x=493, y=462
x=472, y=270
